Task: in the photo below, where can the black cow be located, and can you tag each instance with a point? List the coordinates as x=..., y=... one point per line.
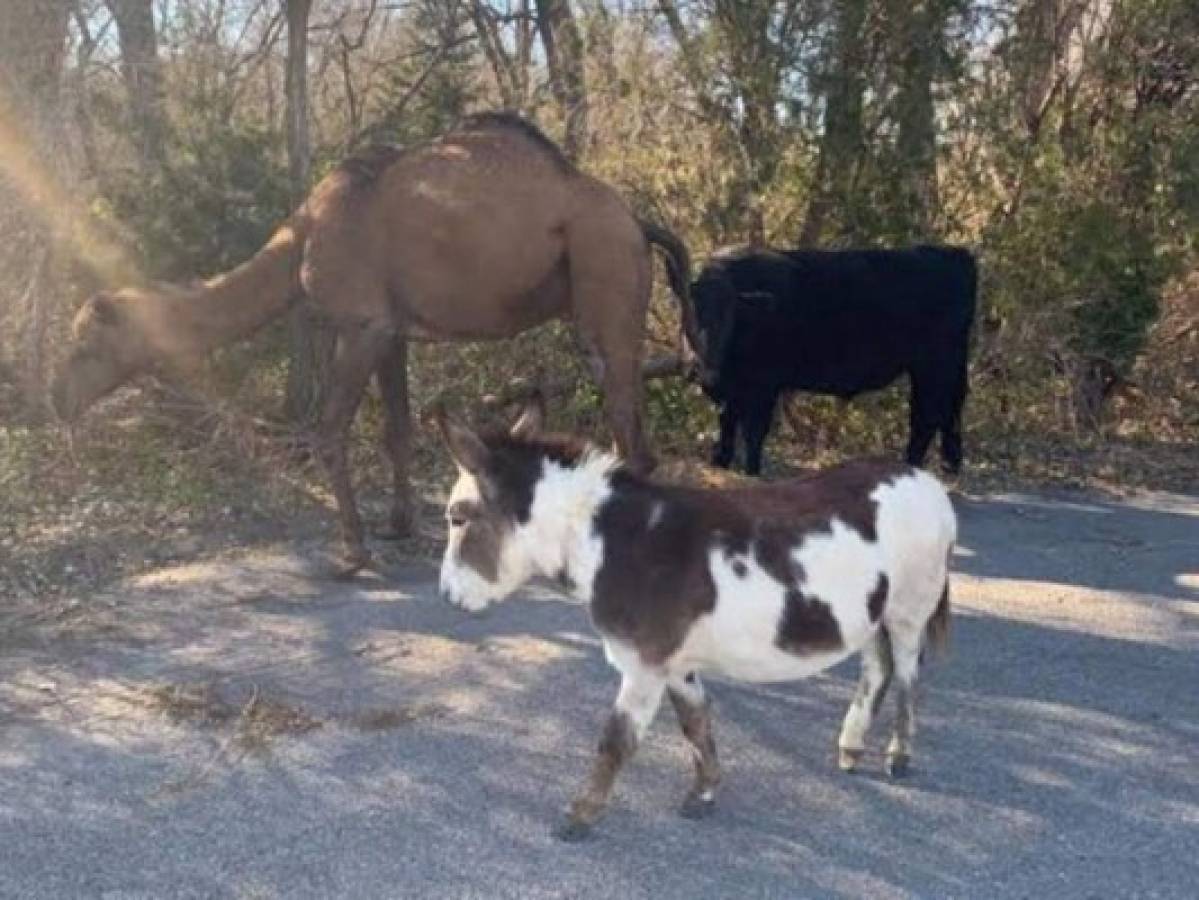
x=841, y=323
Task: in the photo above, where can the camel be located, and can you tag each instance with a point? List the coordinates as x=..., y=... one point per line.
x=480, y=234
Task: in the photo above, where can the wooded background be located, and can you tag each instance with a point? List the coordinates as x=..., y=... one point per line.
x=1059, y=139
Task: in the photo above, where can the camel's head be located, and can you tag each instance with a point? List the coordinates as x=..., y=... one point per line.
x=108, y=346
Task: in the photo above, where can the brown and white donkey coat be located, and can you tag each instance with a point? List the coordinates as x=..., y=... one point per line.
x=767, y=583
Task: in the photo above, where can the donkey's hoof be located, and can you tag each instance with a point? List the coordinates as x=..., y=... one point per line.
x=899, y=765
x=848, y=760
x=572, y=831
x=697, y=806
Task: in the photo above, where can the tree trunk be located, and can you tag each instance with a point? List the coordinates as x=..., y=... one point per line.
x=492, y=43
x=747, y=121
x=299, y=148
x=524, y=50
x=142, y=73
x=599, y=29
x=1043, y=32
x=921, y=37
x=564, y=58
x=841, y=143
x=311, y=346
x=33, y=36
x=753, y=68
x=33, y=46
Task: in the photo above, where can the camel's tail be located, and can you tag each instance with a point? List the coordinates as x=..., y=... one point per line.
x=678, y=268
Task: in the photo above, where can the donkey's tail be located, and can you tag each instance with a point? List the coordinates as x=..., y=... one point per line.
x=936, y=630
x=678, y=269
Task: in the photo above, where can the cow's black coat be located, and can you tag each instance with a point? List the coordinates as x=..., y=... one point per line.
x=837, y=322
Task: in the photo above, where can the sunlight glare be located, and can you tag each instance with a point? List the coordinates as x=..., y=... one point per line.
x=68, y=220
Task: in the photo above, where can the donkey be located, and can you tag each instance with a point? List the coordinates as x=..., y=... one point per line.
x=767, y=583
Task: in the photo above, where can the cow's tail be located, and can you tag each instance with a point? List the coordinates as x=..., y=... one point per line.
x=678, y=269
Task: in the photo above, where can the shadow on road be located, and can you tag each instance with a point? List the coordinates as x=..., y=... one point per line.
x=1085, y=542
x=1050, y=759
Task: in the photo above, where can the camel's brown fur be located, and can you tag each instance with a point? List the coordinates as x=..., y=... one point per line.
x=481, y=234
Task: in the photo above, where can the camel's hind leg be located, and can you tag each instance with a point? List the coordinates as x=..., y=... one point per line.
x=610, y=287
x=392, y=377
x=359, y=350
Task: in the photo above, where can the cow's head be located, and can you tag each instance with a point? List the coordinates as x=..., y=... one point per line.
x=715, y=299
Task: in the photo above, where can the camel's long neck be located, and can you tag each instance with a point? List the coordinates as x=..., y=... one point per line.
x=238, y=302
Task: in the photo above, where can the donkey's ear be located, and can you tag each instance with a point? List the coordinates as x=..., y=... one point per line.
x=532, y=418
x=466, y=448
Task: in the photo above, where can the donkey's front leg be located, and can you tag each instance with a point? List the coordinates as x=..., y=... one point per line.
x=638, y=701
x=695, y=718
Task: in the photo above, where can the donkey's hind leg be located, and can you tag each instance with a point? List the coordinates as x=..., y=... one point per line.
x=638, y=701
x=695, y=718
x=905, y=649
x=877, y=668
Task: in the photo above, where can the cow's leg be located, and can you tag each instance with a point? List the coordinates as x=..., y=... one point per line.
x=877, y=669
x=695, y=718
x=923, y=417
x=726, y=445
x=358, y=353
x=905, y=652
x=638, y=701
x=757, y=419
x=610, y=288
x=392, y=378
x=951, y=429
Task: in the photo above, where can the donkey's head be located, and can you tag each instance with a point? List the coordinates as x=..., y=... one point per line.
x=496, y=542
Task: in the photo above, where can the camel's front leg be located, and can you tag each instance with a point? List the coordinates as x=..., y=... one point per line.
x=359, y=350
